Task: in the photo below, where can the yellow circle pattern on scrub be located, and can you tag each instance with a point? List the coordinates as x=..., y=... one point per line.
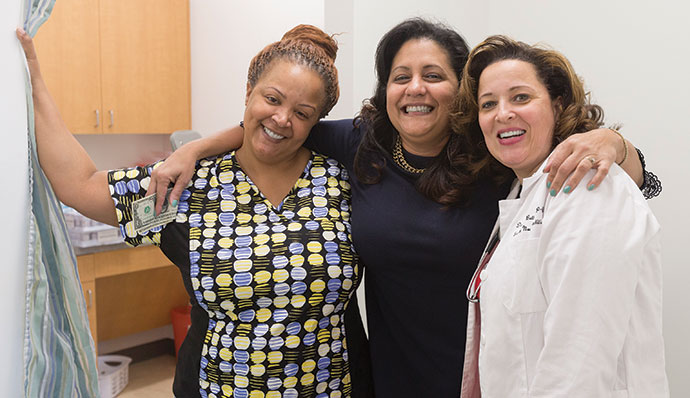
x=273, y=279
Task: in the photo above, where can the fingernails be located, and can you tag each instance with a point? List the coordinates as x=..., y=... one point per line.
x=552, y=192
x=548, y=184
x=591, y=187
x=174, y=203
x=567, y=189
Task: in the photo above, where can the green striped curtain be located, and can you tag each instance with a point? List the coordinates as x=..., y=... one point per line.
x=59, y=354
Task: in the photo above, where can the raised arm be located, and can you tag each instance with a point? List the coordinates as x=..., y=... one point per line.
x=178, y=168
x=335, y=138
x=70, y=170
x=570, y=160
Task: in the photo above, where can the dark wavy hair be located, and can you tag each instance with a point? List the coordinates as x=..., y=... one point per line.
x=575, y=115
x=443, y=179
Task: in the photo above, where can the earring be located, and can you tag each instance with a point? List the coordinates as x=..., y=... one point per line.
x=242, y=123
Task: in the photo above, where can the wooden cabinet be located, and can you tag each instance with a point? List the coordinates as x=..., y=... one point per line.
x=129, y=291
x=118, y=66
x=85, y=264
x=69, y=50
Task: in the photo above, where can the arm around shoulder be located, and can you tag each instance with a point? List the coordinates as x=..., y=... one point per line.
x=629, y=161
x=338, y=139
x=178, y=168
x=597, y=149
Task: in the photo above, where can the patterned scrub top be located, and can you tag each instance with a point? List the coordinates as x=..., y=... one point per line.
x=268, y=285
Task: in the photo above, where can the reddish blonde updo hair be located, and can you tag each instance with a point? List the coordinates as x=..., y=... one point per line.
x=305, y=45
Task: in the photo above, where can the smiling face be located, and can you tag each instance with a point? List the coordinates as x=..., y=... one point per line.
x=420, y=90
x=280, y=111
x=516, y=115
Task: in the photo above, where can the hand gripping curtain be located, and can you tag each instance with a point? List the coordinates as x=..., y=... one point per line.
x=59, y=355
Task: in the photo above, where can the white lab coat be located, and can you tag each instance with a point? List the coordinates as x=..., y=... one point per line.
x=571, y=300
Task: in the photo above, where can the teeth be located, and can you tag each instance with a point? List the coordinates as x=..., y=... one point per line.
x=512, y=133
x=272, y=134
x=418, y=108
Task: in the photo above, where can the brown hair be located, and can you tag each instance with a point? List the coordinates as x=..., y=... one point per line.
x=576, y=114
x=306, y=45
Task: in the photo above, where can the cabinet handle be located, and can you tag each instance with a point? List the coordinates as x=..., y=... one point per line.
x=98, y=118
x=112, y=117
x=89, y=293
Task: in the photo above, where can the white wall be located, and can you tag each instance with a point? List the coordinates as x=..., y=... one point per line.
x=114, y=151
x=225, y=35
x=339, y=20
x=13, y=201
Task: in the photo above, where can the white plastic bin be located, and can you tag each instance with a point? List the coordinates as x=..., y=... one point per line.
x=113, y=374
x=85, y=232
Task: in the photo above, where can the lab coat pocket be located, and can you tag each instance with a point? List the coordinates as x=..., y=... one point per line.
x=524, y=293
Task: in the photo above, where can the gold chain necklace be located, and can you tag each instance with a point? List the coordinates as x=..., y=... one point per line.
x=400, y=158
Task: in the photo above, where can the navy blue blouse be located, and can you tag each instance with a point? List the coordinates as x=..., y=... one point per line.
x=419, y=258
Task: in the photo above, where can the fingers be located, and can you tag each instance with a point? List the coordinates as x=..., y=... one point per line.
x=569, y=177
x=30, y=52
x=153, y=185
x=177, y=191
x=24, y=38
x=602, y=171
x=181, y=183
x=586, y=164
x=161, y=193
x=156, y=185
x=153, y=182
x=27, y=43
x=574, y=157
x=176, y=171
x=559, y=166
x=162, y=179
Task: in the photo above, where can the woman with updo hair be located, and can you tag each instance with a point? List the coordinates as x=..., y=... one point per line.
x=261, y=236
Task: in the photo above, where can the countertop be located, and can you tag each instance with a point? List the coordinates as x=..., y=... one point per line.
x=80, y=251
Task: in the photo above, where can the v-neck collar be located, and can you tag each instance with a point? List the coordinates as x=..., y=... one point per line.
x=291, y=194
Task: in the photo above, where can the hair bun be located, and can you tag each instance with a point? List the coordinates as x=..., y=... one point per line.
x=314, y=35
x=305, y=45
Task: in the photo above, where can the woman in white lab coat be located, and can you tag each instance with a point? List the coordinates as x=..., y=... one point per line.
x=567, y=299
